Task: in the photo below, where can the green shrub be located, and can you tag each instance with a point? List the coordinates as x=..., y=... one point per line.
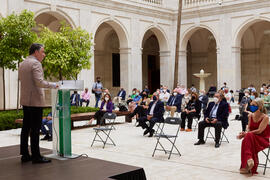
x=7, y=118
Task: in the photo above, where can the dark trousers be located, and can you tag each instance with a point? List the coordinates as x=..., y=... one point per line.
x=98, y=97
x=32, y=118
x=140, y=111
x=244, y=121
x=82, y=100
x=142, y=121
x=204, y=124
x=98, y=116
x=190, y=117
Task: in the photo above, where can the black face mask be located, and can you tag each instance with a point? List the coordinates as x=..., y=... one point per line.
x=154, y=98
x=193, y=98
x=98, y=81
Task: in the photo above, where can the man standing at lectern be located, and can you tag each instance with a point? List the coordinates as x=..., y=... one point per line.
x=32, y=99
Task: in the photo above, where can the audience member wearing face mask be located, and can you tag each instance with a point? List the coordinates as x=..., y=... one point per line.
x=174, y=103
x=120, y=98
x=106, y=106
x=185, y=100
x=266, y=99
x=216, y=115
x=154, y=114
x=256, y=138
x=136, y=100
x=244, y=108
x=164, y=95
x=192, y=109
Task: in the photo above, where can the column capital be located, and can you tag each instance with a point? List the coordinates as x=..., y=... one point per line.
x=182, y=53
x=164, y=53
x=125, y=50
x=218, y=50
x=236, y=49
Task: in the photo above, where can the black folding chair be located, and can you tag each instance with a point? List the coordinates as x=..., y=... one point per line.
x=106, y=130
x=210, y=135
x=266, y=153
x=196, y=119
x=169, y=137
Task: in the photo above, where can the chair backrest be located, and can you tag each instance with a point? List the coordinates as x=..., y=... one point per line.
x=173, y=120
x=109, y=116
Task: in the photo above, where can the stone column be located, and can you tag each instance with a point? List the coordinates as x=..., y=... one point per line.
x=136, y=67
x=220, y=81
x=182, y=68
x=136, y=54
x=166, y=71
x=126, y=73
x=236, y=65
x=88, y=75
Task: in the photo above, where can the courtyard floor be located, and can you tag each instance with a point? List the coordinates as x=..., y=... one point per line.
x=203, y=162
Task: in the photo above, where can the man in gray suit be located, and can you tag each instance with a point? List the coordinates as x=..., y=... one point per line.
x=33, y=101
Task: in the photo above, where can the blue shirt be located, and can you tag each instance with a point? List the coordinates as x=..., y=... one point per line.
x=213, y=113
x=97, y=86
x=137, y=98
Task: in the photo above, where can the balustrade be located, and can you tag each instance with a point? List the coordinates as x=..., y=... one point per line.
x=159, y=2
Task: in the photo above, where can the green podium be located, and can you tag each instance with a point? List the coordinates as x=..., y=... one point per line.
x=64, y=123
x=62, y=146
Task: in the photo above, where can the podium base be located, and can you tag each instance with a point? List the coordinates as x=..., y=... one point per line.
x=55, y=156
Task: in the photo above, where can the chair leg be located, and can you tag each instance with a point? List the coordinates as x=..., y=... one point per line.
x=173, y=146
x=155, y=147
x=108, y=137
x=94, y=139
x=223, y=136
x=207, y=134
x=266, y=161
x=197, y=121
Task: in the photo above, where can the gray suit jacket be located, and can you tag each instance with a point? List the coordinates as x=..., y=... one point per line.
x=32, y=83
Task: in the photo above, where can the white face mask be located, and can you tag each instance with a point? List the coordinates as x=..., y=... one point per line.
x=215, y=100
x=137, y=94
x=106, y=99
x=175, y=94
x=246, y=94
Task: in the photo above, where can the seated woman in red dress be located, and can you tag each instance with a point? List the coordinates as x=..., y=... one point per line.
x=256, y=138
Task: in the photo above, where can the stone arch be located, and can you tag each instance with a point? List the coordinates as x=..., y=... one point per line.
x=120, y=29
x=190, y=31
x=161, y=36
x=252, y=39
x=155, y=58
x=243, y=27
x=200, y=53
x=53, y=19
x=111, y=53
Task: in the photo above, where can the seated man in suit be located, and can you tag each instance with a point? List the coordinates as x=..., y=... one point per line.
x=121, y=96
x=174, y=103
x=75, y=99
x=216, y=115
x=154, y=114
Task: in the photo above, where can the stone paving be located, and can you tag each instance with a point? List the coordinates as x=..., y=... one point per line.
x=197, y=162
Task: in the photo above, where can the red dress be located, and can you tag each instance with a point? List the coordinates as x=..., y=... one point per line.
x=252, y=144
